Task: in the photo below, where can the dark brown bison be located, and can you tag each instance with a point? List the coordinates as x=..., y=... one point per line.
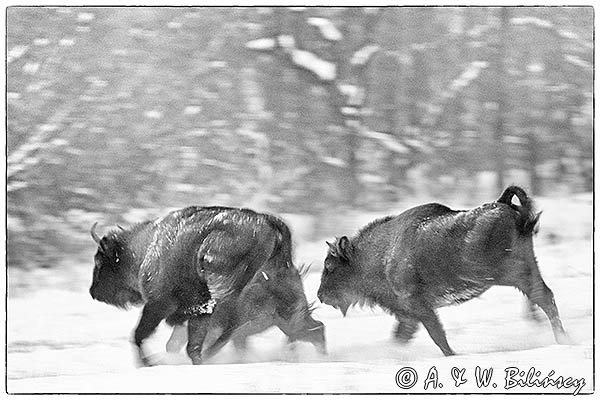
x=431, y=256
x=274, y=297
x=182, y=265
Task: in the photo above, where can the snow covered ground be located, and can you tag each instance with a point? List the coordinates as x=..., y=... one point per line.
x=61, y=341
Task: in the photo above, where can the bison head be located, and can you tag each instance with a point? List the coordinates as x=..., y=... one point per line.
x=112, y=279
x=293, y=314
x=339, y=277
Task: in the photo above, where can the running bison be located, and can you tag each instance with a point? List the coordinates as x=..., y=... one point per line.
x=431, y=256
x=274, y=297
x=184, y=264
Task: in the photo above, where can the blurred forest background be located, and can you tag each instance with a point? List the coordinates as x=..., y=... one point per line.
x=117, y=114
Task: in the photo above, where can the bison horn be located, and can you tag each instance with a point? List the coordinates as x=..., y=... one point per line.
x=94, y=234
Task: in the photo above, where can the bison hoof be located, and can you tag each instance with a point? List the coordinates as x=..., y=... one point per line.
x=321, y=348
x=563, y=338
x=405, y=330
x=196, y=360
x=533, y=314
x=150, y=361
x=141, y=360
x=448, y=352
x=290, y=352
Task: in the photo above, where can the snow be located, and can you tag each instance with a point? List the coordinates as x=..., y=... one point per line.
x=67, y=42
x=153, y=114
x=324, y=69
x=327, y=28
x=478, y=30
x=542, y=23
x=334, y=161
x=192, y=110
x=362, y=56
x=577, y=61
x=355, y=94
x=41, y=42
x=261, y=44
x=22, y=157
x=174, y=25
x=470, y=73
x=387, y=140
x=61, y=341
x=536, y=67
x=286, y=41
x=85, y=17
x=349, y=111
x=15, y=53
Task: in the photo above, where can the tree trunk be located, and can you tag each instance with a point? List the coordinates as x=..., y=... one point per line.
x=499, y=128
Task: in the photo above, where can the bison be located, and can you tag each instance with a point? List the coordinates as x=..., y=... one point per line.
x=182, y=265
x=431, y=256
x=274, y=297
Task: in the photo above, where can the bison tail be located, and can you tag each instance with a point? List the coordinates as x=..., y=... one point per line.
x=283, y=246
x=528, y=219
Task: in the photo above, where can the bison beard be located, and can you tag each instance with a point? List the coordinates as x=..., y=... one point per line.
x=431, y=256
x=181, y=265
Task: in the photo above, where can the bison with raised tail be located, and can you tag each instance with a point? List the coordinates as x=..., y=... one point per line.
x=431, y=256
x=184, y=264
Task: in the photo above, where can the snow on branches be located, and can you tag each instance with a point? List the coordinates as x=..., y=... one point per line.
x=323, y=69
x=28, y=154
x=387, y=140
x=364, y=54
x=578, y=61
x=468, y=75
x=545, y=24
x=261, y=44
x=533, y=21
x=327, y=28
x=15, y=53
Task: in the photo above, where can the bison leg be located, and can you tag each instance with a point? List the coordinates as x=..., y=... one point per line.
x=428, y=317
x=525, y=276
x=152, y=314
x=197, y=330
x=307, y=330
x=240, y=343
x=541, y=295
x=405, y=328
x=178, y=339
x=531, y=311
x=218, y=344
x=403, y=278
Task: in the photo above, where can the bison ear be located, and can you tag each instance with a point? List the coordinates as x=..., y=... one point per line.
x=345, y=248
x=104, y=247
